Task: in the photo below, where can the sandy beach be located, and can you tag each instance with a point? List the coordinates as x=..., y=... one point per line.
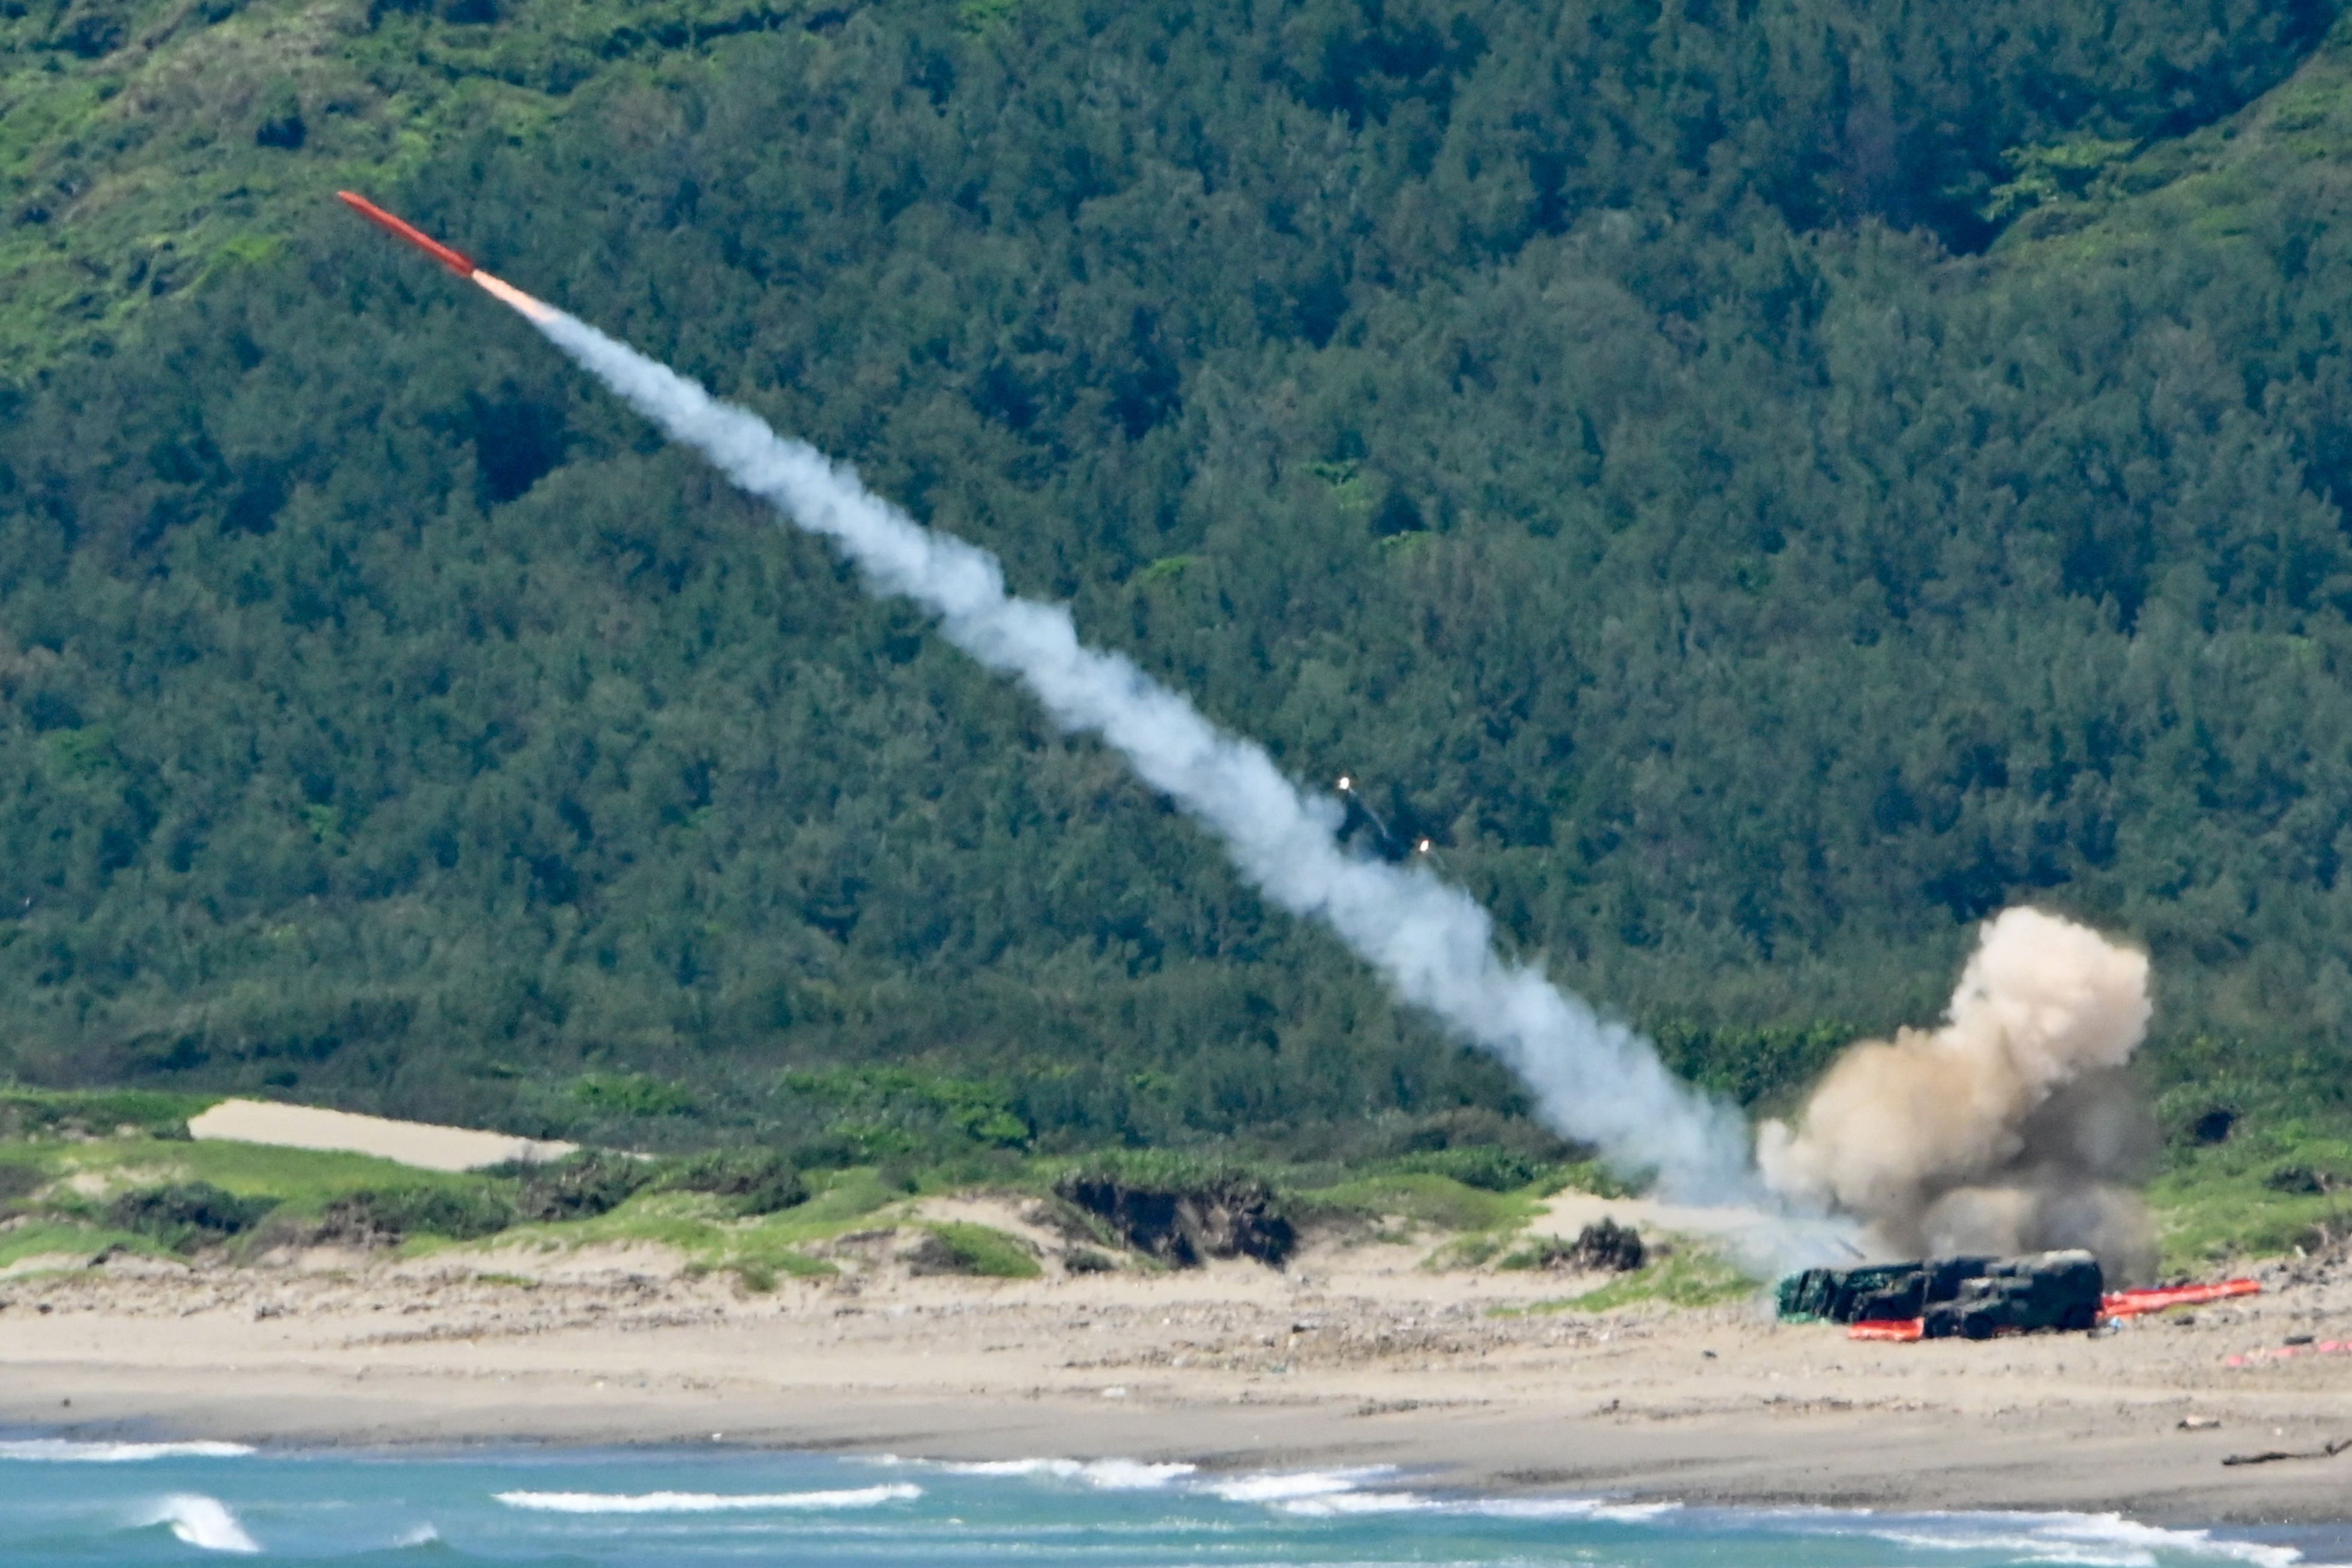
x=1355, y=1356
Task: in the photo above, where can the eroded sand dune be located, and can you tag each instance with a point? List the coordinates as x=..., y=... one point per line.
x=418, y=1143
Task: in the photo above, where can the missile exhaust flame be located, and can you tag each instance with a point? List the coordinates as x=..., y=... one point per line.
x=538, y=312
x=1593, y=1079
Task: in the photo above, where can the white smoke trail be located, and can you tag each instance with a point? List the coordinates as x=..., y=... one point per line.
x=1593, y=1080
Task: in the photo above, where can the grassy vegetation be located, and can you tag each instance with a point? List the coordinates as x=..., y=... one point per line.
x=302, y=1180
x=978, y=1250
x=1686, y=1275
x=148, y=1187
x=2257, y=1186
x=65, y=1239
x=146, y=145
x=2264, y=1191
x=712, y=1235
x=33, y=1112
x=1474, y=1223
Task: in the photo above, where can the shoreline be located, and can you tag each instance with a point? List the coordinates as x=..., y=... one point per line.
x=1346, y=1361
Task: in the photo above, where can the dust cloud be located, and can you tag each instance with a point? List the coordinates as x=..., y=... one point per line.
x=2013, y=1127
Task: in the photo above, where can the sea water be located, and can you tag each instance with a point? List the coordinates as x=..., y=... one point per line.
x=121, y=1503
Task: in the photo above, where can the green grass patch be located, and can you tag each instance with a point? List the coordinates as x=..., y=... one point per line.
x=841, y=1196
x=962, y=1247
x=1688, y=1277
x=704, y=1228
x=2266, y=1190
x=67, y=1238
x=1488, y=1167
x=304, y=1181
x=1440, y=1202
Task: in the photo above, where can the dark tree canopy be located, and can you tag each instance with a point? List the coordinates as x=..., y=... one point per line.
x=1761, y=483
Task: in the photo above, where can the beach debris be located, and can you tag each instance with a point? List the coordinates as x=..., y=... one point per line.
x=2272, y=1456
x=2198, y=1423
x=2289, y=1350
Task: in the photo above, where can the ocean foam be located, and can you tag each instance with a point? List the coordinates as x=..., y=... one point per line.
x=704, y=1503
x=58, y=1450
x=2072, y=1541
x=1105, y=1475
x=2060, y=1540
x=1327, y=1494
x=1332, y=1505
x=200, y=1522
x=1291, y=1486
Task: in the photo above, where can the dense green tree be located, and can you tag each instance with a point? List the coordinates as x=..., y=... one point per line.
x=1761, y=485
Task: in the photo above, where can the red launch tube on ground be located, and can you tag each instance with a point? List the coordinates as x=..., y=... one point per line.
x=2131, y=1303
x=456, y=262
x=1901, y=1331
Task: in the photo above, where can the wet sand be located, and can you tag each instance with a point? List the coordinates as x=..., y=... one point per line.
x=1353, y=1356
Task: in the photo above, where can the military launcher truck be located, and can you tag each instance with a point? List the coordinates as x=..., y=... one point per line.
x=1967, y=1298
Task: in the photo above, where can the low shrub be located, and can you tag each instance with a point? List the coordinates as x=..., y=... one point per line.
x=1604, y=1245
x=582, y=1185
x=383, y=1218
x=630, y=1094
x=187, y=1215
x=757, y=1181
x=1483, y=1166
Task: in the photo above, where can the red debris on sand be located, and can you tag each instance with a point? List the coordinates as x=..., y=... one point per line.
x=2131, y=1303
x=2325, y=1347
x=1900, y=1330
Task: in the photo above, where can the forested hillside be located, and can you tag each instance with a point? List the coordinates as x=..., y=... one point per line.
x=1760, y=483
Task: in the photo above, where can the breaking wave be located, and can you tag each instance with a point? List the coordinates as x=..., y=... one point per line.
x=705, y=1502
x=2072, y=1541
x=200, y=1522
x=2061, y=1539
x=59, y=1451
x=1108, y=1475
x=1281, y=1486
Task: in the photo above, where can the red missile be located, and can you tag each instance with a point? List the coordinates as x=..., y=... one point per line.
x=456, y=262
